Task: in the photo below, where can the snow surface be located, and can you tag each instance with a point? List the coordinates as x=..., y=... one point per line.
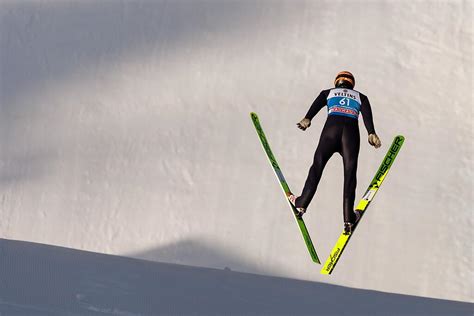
x=125, y=129
x=48, y=280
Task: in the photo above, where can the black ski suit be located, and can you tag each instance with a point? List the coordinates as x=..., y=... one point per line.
x=340, y=134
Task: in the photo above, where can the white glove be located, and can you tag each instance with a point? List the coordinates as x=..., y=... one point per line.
x=304, y=124
x=374, y=140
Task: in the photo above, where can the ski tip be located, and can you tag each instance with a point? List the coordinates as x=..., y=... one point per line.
x=254, y=118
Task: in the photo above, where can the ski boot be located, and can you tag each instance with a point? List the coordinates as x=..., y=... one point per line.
x=350, y=226
x=299, y=210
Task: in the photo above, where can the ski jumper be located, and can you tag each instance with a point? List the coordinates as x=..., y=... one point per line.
x=340, y=134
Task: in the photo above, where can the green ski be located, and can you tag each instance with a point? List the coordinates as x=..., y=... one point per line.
x=284, y=186
x=374, y=186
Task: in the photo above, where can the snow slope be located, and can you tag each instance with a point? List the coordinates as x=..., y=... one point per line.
x=47, y=280
x=125, y=129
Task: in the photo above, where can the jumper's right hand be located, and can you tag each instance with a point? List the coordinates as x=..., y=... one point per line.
x=304, y=124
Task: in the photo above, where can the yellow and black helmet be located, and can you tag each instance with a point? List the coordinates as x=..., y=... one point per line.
x=344, y=79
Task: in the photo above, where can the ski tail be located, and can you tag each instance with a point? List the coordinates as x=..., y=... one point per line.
x=372, y=190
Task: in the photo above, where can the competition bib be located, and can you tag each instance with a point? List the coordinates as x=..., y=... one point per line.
x=345, y=102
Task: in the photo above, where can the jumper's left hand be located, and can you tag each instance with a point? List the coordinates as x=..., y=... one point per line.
x=374, y=140
x=304, y=124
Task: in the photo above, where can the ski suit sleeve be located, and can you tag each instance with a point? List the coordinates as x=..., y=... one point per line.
x=317, y=105
x=367, y=114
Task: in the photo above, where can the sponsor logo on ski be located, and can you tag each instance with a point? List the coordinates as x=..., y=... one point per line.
x=333, y=259
x=266, y=146
x=387, y=162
